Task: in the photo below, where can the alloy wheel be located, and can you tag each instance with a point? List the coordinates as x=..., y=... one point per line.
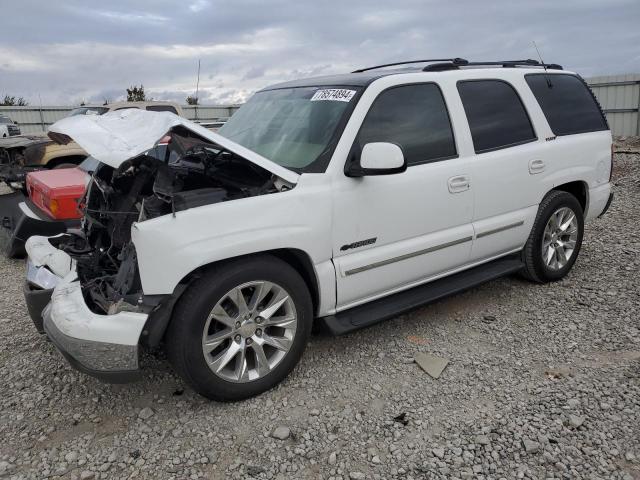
x=559, y=238
x=249, y=331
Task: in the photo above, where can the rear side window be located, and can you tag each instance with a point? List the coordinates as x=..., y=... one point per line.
x=414, y=117
x=496, y=115
x=162, y=108
x=568, y=104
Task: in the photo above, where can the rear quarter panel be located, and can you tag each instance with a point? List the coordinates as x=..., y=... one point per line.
x=583, y=157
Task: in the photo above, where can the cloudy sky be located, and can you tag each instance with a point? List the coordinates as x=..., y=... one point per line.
x=72, y=50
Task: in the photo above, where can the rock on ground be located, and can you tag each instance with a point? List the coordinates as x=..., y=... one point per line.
x=523, y=359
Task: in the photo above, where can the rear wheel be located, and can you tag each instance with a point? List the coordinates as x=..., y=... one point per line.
x=241, y=328
x=555, y=239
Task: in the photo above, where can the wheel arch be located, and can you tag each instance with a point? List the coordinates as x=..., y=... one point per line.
x=159, y=319
x=75, y=159
x=295, y=257
x=578, y=189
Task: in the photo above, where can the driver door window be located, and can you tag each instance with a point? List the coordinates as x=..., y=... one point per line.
x=413, y=117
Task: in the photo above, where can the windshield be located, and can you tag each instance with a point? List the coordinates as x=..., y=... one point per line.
x=89, y=164
x=5, y=120
x=88, y=111
x=293, y=127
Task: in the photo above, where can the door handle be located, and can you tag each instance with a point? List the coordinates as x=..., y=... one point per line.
x=536, y=166
x=459, y=183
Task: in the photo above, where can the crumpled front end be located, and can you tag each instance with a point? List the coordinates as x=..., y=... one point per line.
x=174, y=167
x=99, y=314
x=105, y=346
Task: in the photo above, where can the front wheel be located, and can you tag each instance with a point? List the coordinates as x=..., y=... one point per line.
x=555, y=239
x=240, y=328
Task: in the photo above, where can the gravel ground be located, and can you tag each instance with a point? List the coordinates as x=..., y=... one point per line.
x=543, y=383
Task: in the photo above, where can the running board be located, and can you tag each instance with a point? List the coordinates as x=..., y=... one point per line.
x=393, y=305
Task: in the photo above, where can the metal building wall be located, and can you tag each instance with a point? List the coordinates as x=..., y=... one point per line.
x=206, y=113
x=34, y=119
x=37, y=119
x=619, y=96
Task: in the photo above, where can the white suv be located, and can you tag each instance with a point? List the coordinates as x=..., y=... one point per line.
x=348, y=199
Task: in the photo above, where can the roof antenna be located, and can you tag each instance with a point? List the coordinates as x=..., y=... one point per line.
x=197, y=90
x=549, y=84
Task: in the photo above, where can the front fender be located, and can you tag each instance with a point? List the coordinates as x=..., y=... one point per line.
x=172, y=246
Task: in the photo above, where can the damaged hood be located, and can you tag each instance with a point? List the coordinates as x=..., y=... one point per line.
x=115, y=137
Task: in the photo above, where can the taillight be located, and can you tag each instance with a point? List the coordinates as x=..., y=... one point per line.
x=54, y=207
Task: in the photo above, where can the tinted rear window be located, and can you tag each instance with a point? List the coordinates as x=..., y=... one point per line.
x=568, y=104
x=414, y=117
x=496, y=116
x=162, y=108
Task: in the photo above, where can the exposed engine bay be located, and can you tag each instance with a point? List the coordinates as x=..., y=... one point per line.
x=187, y=172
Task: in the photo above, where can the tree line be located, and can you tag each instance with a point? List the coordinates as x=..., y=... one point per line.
x=134, y=94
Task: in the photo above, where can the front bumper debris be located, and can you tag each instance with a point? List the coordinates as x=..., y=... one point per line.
x=104, y=346
x=46, y=266
x=37, y=291
x=36, y=299
x=42, y=253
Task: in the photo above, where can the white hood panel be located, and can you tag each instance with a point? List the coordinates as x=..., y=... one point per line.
x=118, y=136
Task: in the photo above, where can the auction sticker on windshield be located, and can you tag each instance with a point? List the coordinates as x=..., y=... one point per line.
x=333, y=94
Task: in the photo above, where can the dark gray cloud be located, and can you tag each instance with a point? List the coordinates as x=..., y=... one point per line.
x=69, y=51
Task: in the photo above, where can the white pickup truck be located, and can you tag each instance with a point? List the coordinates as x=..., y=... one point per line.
x=345, y=199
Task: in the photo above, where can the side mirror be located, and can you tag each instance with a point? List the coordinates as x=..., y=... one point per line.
x=15, y=123
x=378, y=158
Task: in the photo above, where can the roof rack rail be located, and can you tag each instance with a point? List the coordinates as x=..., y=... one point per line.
x=504, y=63
x=440, y=67
x=457, y=61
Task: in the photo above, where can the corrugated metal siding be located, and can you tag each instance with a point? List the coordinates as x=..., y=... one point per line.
x=209, y=112
x=619, y=96
x=36, y=120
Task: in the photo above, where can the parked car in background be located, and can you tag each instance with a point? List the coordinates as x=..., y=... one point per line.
x=20, y=155
x=348, y=199
x=50, y=207
x=51, y=204
x=8, y=128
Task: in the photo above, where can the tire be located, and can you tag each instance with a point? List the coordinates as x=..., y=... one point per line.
x=540, y=263
x=185, y=338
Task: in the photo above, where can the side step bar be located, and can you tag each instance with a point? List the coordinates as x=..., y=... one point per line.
x=391, y=306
